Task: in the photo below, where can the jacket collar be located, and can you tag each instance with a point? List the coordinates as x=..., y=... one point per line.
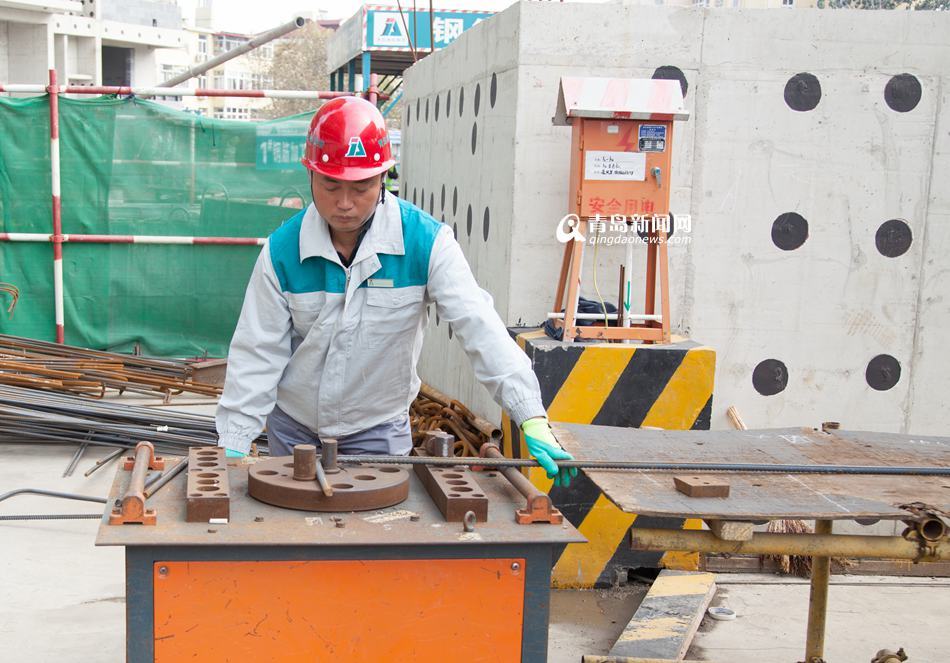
x=384, y=236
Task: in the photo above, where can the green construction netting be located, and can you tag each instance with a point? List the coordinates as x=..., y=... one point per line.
x=135, y=167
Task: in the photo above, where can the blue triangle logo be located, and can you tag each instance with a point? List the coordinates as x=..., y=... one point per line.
x=356, y=148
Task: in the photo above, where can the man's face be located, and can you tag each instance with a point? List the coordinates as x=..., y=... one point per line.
x=345, y=205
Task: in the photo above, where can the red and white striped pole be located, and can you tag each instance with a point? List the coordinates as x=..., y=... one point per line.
x=57, y=238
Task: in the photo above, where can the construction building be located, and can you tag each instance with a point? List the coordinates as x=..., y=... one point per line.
x=645, y=363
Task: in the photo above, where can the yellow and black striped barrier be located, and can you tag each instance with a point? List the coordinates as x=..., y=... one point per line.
x=613, y=384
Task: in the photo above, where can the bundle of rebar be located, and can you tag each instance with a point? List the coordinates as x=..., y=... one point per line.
x=433, y=410
x=30, y=416
x=69, y=369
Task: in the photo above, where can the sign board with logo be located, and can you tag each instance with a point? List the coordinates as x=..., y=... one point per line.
x=387, y=30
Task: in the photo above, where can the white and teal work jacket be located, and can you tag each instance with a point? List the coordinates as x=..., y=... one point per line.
x=336, y=348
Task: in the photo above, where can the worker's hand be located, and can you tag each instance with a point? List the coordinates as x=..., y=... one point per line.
x=543, y=447
x=231, y=453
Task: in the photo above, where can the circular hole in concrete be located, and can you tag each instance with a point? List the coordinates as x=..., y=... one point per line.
x=883, y=372
x=268, y=472
x=802, y=92
x=365, y=477
x=770, y=377
x=493, y=90
x=789, y=231
x=474, y=136
x=902, y=93
x=893, y=238
x=478, y=96
x=453, y=476
x=671, y=73
x=342, y=486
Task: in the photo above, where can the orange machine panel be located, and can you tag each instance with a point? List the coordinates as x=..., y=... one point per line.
x=377, y=610
x=613, y=167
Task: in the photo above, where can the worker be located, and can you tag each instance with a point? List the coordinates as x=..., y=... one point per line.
x=392, y=181
x=334, y=315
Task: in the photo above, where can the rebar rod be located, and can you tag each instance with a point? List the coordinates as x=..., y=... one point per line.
x=652, y=465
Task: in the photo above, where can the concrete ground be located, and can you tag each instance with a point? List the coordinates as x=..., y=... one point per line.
x=62, y=599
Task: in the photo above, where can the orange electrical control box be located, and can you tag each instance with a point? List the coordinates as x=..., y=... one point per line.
x=621, y=145
x=621, y=167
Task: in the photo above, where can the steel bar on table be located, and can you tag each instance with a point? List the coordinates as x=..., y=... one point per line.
x=51, y=493
x=54, y=516
x=809, y=545
x=653, y=466
x=166, y=476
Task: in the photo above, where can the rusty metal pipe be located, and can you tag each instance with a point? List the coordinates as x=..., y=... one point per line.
x=808, y=545
x=484, y=426
x=538, y=505
x=818, y=599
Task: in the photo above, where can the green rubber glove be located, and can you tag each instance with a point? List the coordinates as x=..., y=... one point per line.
x=231, y=453
x=543, y=447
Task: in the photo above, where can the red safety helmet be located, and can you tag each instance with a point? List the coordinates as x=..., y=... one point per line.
x=348, y=140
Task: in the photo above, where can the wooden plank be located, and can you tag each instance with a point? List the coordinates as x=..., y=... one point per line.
x=666, y=621
x=765, y=496
x=729, y=530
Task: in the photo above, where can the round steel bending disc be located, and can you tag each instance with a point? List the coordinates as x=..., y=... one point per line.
x=361, y=488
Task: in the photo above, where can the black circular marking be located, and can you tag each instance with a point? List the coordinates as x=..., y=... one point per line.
x=455, y=230
x=461, y=100
x=493, y=90
x=455, y=200
x=789, y=231
x=413, y=196
x=485, y=224
x=450, y=332
x=442, y=218
x=448, y=103
x=883, y=372
x=431, y=203
x=802, y=92
x=474, y=136
x=427, y=110
x=442, y=206
x=436, y=108
x=893, y=238
x=436, y=317
x=418, y=101
x=770, y=377
x=670, y=73
x=408, y=117
x=478, y=97
x=468, y=222
x=422, y=200
x=902, y=93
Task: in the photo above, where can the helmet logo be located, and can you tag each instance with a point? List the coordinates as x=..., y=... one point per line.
x=356, y=148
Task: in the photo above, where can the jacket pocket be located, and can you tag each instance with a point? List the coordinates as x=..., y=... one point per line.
x=391, y=315
x=305, y=309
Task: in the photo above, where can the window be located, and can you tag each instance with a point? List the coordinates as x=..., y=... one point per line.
x=233, y=113
x=202, y=48
x=788, y=3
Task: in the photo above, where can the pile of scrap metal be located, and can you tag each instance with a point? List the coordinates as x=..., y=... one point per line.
x=432, y=410
x=64, y=368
